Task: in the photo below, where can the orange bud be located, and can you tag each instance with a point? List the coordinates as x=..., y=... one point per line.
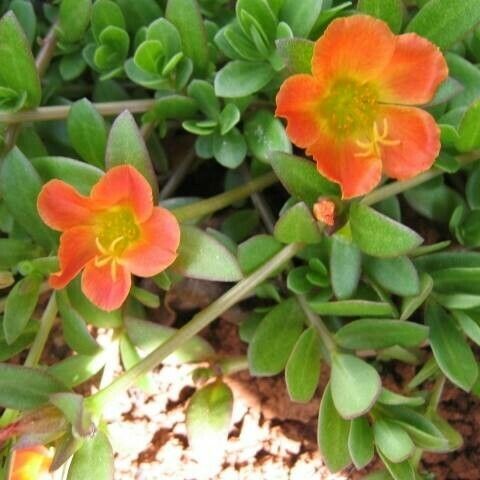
x=30, y=463
x=324, y=211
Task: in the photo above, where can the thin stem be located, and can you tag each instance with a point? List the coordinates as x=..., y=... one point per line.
x=395, y=188
x=231, y=365
x=45, y=54
x=212, y=204
x=59, y=112
x=196, y=324
x=177, y=175
x=46, y=324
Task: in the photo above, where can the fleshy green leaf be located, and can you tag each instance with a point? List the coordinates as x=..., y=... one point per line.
x=301, y=17
x=73, y=19
x=202, y=256
x=301, y=178
x=274, y=339
x=351, y=308
x=453, y=354
x=87, y=132
x=390, y=11
x=345, y=267
x=469, y=130
x=257, y=250
x=18, y=70
x=442, y=22
x=375, y=334
x=302, y=371
x=332, y=434
x=392, y=440
x=380, y=236
x=356, y=385
x=208, y=419
x=297, y=225
x=360, y=442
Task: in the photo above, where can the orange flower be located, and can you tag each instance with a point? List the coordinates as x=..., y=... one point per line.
x=30, y=463
x=113, y=233
x=354, y=113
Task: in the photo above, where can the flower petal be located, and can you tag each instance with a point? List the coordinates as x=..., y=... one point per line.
x=419, y=138
x=77, y=248
x=124, y=185
x=356, y=47
x=102, y=289
x=30, y=463
x=157, y=248
x=339, y=162
x=414, y=72
x=296, y=101
x=60, y=206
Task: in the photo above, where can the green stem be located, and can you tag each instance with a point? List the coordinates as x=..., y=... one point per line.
x=178, y=174
x=212, y=204
x=395, y=188
x=196, y=324
x=231, y=365
x=46, y=324
x=59, y=112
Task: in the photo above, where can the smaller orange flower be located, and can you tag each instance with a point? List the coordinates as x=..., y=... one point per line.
x=354, y=114
x=113, y=233
x=324, y=211
x=30, y=463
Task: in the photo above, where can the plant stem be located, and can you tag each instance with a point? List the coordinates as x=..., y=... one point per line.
x=177, y=175
x=212, y=204
x=59, y=112
x=395, y=188
x=46, y=324
x=196, y=324
x=231, y=365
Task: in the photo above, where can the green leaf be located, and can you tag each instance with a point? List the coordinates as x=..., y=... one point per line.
x=274, y=339
x=91, y=313
x=93, y=460
x=265, y=134
x=392, y=440
x=472, y=189
x=229, y=150
x=139, y=13
x=456, y=280
x=167, y=34
x=297, y=225
x=208, y=419
x=202, y=256
x=106, y=13
x=380, y=236
x=126, y=146
x=186, y=17
x=399, y=471
x=72, y=406
x=87, y=132
x=469, y=326
x=390, y=11
x=302, y=371
x=332, y=434
x=73, y=19
x=229, y=117
x=130, y=357
x=351, y=308
x=149, y=56
x=297, y=280
x=75, y=330
x=469, y=130
x=240, y=224
x=410, y=304
x=80, y=175
x=442, y=22
x=356, y=385
x=20, y=186
x=301, y=17
x=255, y=251
x=174, y=106
x=345, y=267
x=387, y=397
x=257, y=15
x=239, y=78
x=147, y=336
x=23, y=388
x=360, y=442
x=453, y=354
x=25, y=13
x=72, y=66
x=18, y=70
x=13, y=251
x=204, y=94
x=301, y=178
x=77, y=369
x=396, y=275
x=20, y=305
x=375, y=334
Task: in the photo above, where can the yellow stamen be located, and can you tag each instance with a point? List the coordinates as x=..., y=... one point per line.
x=372, y=147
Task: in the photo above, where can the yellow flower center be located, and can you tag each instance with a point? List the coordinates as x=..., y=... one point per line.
x=117, y=229
x=351, y=111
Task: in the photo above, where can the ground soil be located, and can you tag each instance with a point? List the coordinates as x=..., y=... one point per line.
x=271, y=438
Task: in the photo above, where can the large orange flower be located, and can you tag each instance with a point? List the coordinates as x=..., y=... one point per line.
x=113, y=233
x=354, y=113
x=30, y=463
